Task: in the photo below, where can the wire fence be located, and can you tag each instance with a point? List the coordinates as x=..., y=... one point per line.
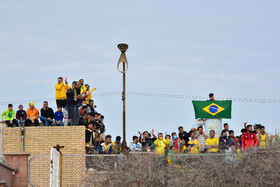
x=252, y=168
x=156, y=95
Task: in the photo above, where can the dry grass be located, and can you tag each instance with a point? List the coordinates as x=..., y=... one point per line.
x=255, y=168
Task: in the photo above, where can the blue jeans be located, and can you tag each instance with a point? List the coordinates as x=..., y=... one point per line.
x=23, y=123
x=45, y=121
x=61, y=123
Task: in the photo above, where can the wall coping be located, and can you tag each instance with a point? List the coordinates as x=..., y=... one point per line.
x=17, y=154
x=8, y=167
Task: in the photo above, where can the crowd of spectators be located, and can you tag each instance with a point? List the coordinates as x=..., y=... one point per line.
x=196, y=141
x=76, y=107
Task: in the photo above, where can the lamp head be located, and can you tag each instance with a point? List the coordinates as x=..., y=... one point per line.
x=123, y=47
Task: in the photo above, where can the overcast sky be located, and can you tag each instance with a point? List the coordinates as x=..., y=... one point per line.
x=230, y=48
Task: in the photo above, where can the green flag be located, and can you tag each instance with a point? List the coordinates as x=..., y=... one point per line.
x=212, y=109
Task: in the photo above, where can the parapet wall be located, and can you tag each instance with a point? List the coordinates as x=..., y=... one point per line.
x=39, y=140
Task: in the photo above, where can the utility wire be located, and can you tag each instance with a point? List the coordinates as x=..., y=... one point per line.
x=157, y=95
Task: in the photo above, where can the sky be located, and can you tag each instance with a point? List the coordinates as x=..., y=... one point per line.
x=230, y=48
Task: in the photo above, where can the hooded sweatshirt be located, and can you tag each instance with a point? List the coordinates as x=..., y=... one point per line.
x=9, y=115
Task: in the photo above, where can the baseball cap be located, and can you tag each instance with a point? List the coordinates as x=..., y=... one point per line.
x=31, y=104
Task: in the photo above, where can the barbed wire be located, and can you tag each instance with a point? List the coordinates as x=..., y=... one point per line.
x=148, y=94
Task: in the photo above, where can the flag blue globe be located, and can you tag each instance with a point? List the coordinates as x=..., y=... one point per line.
x=213, y=109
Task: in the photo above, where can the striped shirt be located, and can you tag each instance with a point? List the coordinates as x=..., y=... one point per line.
x=202, y=140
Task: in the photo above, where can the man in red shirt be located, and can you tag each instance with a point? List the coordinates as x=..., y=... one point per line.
x=249, y=139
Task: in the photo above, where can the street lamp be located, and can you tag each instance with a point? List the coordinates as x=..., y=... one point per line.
x=123, y=47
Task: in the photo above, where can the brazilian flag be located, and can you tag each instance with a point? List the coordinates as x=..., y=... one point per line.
x=212, y=109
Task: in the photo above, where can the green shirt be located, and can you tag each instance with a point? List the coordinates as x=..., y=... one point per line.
x=9, y=115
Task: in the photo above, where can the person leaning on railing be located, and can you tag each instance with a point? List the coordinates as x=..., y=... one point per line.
x=212, y=143
x=160, y=144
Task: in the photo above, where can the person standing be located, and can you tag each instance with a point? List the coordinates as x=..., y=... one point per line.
x=249, y=139
x=60, y=92
x=201, y=137
x=116, y=146
x=75, y=100
x=161, y=144
x=32, y=115
x=195, y=144
x=183, y=134
x=47, y=114
x=224, y=142
x=212, y=143
x=263, y=138
x=135, y=146
x=175, y=143
x=21, y=116
x=82, y=87
x=226, y=128
x=8, y=116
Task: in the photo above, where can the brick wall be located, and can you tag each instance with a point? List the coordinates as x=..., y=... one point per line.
x=39, y=140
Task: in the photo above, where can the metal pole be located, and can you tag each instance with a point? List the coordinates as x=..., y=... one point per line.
x=123, y=98
x=123, y=47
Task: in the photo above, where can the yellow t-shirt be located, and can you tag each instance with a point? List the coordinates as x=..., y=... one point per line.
x=195, y=146
x=105, y=147
x=263, y=141
x=238, y=154
x=213, y=141
x=160, y=145
x=183, y=149
x=88, y=97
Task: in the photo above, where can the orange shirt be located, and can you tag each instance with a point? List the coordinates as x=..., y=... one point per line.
x=33, y=114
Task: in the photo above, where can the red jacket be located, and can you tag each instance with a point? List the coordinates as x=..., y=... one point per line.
x=249, y=140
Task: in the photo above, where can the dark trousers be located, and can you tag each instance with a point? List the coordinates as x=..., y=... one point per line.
x=70, y=110
x=28, y=122
x=14, y=121
x=61, y=103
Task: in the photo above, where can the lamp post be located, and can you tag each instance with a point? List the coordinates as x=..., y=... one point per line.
x=123, y=47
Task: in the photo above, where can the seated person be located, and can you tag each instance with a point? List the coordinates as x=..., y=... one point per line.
x=58, y=117
x=47, y=114
x=105, y=147
x=21, y=116
x=8, y=116
x=194, y=143
x=32, y=115
x=135, y=146
x=212, y=143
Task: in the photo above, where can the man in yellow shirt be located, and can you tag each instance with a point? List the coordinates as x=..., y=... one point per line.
x=263, y=138
x=212, y=143
x=195, y=144
x=60, y=92
x=160, y=144
x=83, y=88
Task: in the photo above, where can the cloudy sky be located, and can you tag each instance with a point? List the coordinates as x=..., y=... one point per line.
x=230, y=48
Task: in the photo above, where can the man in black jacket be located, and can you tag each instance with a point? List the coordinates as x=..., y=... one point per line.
x=183, y=135
x=47, y=114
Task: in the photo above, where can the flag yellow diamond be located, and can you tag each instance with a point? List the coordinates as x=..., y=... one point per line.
x=213, y=109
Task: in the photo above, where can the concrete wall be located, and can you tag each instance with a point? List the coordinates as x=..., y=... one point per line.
x=39, y=140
